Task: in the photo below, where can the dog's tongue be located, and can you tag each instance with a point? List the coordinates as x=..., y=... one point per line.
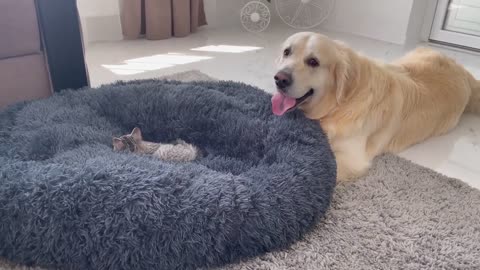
x=281, y=103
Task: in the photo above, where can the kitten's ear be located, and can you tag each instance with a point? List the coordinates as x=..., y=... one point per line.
x=118, y=144
x=136, y=134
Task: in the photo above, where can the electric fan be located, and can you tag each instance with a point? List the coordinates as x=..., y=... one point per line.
x=255, y=16
x=299, y=14
x=304, y=14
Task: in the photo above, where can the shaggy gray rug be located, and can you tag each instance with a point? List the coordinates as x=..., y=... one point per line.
x=400, y=216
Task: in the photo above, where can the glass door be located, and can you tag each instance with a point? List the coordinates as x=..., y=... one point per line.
x=457, y=22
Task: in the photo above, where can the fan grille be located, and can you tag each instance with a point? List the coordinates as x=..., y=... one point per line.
x=304, y=14
x=255, y=16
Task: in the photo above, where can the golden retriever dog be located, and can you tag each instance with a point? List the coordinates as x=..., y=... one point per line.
x=367, y=107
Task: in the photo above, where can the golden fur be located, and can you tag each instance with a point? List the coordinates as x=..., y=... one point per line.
x=368, y=108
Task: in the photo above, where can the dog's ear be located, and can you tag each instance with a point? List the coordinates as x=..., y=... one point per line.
x=341, y=73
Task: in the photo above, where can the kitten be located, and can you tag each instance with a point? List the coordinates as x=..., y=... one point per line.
x=179, y=151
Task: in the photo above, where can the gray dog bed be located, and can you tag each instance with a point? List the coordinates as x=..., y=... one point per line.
x=68, y=201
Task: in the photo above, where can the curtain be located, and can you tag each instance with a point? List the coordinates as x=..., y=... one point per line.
x=161, y=19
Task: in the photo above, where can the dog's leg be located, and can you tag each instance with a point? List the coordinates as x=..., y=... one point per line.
x=352, y=158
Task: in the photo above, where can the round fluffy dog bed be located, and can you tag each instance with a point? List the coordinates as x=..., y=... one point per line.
x=68, y=201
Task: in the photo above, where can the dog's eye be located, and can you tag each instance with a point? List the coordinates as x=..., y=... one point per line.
x=287, y=52
x=312, y=62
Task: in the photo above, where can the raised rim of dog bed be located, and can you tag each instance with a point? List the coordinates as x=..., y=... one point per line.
x=68, y=201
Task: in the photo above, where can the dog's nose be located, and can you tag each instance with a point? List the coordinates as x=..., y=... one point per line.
x=283, y=79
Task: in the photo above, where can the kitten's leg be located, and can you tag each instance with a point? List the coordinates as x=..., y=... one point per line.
x=180, y=141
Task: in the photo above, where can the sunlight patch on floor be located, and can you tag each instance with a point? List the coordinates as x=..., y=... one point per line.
x=154, y=62
x=227, y=49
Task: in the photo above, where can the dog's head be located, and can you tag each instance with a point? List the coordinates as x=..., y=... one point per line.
x=310, y=67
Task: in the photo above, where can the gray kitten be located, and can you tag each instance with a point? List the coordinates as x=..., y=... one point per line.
x=179, y=151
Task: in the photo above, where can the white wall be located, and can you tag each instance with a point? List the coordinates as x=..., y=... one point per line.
x=91, y=8
x=395, y=21
x=100, y=20
x=226, y=14
x=211, y=11
x=386, y=20
x=421, y=19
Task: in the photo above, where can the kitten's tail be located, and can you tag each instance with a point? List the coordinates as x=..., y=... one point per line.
x=473, y=105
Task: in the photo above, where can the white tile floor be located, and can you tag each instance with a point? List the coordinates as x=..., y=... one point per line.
x=456, y=154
